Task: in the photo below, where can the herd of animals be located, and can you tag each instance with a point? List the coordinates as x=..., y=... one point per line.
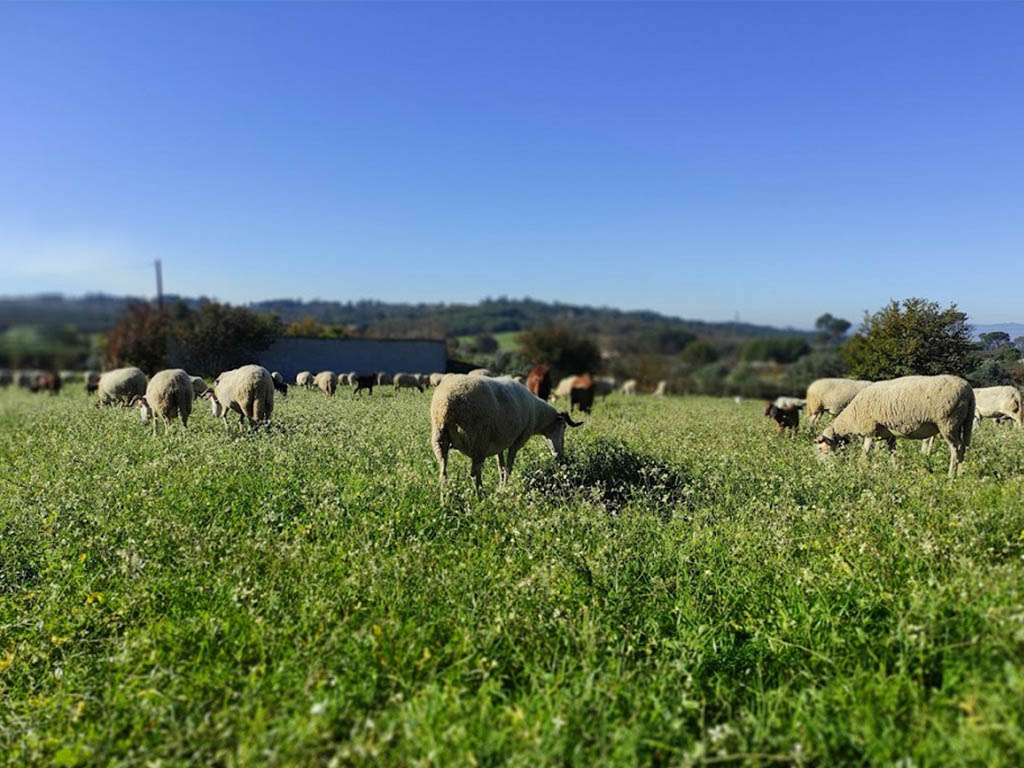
x=482, y=415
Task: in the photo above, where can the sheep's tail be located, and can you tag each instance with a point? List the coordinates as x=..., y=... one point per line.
x=259, y=409
x=967, y=425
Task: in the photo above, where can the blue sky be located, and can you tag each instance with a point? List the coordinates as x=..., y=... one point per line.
x=701, y=160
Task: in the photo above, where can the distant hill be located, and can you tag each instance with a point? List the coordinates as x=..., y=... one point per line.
x=97, y=312
x=1014, y=329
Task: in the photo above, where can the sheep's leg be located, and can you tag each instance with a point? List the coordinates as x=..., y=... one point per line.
x=502, y=471
x=441, y=445
x=891, y=443
x=867, y=446
x=476, y=470
x=510, y=460
x=955, y=455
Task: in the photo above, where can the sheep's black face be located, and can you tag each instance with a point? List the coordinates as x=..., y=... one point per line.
x=829, y=442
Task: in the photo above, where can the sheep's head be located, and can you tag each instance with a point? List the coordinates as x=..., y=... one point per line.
x=829, y=442
x=215, y=407
x=555, y=433
x=145, y=411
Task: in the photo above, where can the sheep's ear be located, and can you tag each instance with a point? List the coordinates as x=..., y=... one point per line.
x=564, y=416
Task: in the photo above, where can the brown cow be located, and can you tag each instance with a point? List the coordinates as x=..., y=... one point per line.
x=538, y=381
x=581, y=395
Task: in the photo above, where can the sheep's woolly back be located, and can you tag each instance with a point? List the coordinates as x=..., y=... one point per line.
x=170, y=394
x=908, y=407
x=327, y=381
x=483, y=416
x=120, y=384
x=998, y=401
x=435, y=379
x=629, y=387
x=408, y=380
x=832, y=395
x=304, y=379
x=248, y=390
x=481, y=372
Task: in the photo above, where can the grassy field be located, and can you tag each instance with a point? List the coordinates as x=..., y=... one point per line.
x=508, y=341
x=685, y=589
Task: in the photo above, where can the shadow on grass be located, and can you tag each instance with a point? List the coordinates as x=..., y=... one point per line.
x=613, y=474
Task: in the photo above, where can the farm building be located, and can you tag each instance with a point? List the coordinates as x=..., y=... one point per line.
x=291, y=354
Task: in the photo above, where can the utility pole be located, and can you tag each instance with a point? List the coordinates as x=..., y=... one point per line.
x=159, y=285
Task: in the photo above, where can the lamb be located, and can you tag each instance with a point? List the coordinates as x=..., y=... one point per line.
x=481, y=417
x=996, y=402
x=92, y=381
x=363, y=381
x=169, y=395
x=279, y=383
x=435, y=379
x=662, y=389
x=248, y=391
x=198, y=386
x=564, y=388
x=917, y=407
x=120, y=385
x=582, y=393
x=481, y=372
x=784, y=416
x=831, y=395
x=407, y=380
x=327, y=382
x=628, y=387
x=304, y=380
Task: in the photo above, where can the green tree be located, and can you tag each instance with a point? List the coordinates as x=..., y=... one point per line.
x=698, y=353
x=562, y=349
x=780, y=350
x=995, y=339
x=217, y=337
x=139, y=338
x=991, y=373
x=915, y=337
x=485, y=344
x=831, y=329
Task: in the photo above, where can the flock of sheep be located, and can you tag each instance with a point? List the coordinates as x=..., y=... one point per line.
x=481, y=415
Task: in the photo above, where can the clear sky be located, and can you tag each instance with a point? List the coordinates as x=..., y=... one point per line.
x=701, y=160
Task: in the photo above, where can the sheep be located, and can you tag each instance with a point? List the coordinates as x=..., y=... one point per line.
x=564, y=388
x=352, y=378
x=581, y=395
x=5, y=377
x=198, y=386
x=789, y=402
x=916, y=407
x=520, y=379
x=481, y=417
x=92, y=381
x=605, y=385
x=407, y=380
x=628, y=387
x=435, y=379
x=481, y=372
x=423, y=379
x=120, y=386
x=279, y=383
x=662, y=389
x=47, y=381
x=304, y=380
x=248, y=391
x=538, y=381
x=327, y=382
x=784, y=416
x=342, y=379
x=996, y=402
x=831, y=395
x=169, y=394
x=363, y=381
x=384, y=379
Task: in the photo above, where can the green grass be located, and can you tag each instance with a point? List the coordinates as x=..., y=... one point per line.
x=686, y=588
x=508, y=341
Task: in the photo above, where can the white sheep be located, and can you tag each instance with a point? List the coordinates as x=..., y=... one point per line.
x=916, y=407
x=563, y=388
x=120, y=385
x=789, y=402
x=198, y=386
x=996, y=402
x=169, y=395
x=248, y=391
x=662, y=389
x=384, y=378
x=481, y=417
x=628, y=387
x=327, y=382
x=831, y=395
x=304, y=380
x=92, y=381
x=435, y=379
x=406, y=381
x=343, y=379
x=481, y=372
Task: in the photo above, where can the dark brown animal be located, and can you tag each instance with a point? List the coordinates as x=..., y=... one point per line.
x=538, y=381
x=581, y=395
x=46, y=381
x=365, y=381
x=784, y=418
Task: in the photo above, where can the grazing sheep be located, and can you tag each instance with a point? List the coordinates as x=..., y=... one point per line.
x=435, y=379
x=605, y=385
x=248, y=391
x=997, y=403
x=5, y=377
x=304, y=380
x=47, y=381
x=92, y=381
x=169, y=395
x=581, y=395
x=789, y=402
x=831, y=395
x=916, y=407
x=407, y=380
x=198, y=386
x=564, y=388
x=662, y=389
x=363, y=381
x=385, y=379
x=423, y=379
x=342, y=379
x=481, y=417
x=538, y=381
x=24, y=379
x=481, y=372
x=785, y=416
x=628, y=387
x=327, y=382
x=120, y=386
x=279, y=383
x=69, y=376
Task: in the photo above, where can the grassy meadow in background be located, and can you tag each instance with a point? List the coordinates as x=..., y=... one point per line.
x=685, y=588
